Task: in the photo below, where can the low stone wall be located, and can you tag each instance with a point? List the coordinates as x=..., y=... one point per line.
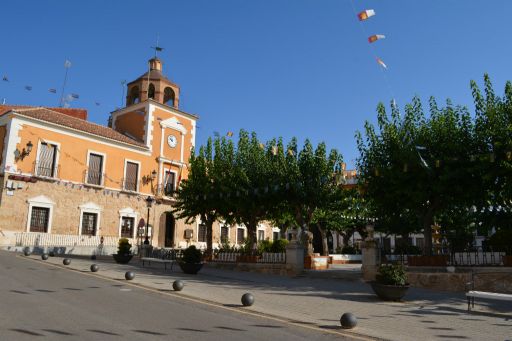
x=494, y=279
x=345, y=259
x=266, y=268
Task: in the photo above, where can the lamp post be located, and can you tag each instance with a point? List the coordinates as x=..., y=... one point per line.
x=149, y=203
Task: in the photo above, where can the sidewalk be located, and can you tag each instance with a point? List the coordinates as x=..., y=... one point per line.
x=424, y=315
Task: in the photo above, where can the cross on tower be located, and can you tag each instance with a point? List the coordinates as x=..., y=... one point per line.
x=156, y=47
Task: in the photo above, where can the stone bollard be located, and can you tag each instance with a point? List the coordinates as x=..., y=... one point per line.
x=348, y=321
x=247, y=300
x=178, y=285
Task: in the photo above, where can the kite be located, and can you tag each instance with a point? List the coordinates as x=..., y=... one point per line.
x=375, y=37
x=381, y=63
x=53, y=91
x=364, y=15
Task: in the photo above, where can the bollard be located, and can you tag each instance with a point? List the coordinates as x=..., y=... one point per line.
x=66, y=261
x=178, y=285
x=348, y=321
x=247, y=299
x=94, y=268
x=129, y=275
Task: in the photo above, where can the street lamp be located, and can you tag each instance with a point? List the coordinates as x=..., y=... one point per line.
x=149, y=203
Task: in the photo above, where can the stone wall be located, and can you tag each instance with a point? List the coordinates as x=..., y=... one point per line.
x=493, y=279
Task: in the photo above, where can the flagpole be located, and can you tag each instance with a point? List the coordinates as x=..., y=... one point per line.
x=67, y=65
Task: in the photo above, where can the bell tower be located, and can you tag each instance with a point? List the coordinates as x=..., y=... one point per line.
x=154, y=85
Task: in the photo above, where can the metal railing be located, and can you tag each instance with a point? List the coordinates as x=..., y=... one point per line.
x=167, y=190
x=45, y=170
x=236, y=256
x=162, y=253
x=443, y=256
x=94, y=178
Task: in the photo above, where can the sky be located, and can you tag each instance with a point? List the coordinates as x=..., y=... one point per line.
x=281, y=68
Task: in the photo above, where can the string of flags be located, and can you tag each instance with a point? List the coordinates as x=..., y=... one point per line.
x=363, y=16
x=67, y=99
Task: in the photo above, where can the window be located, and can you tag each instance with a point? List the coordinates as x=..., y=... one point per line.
x=224, y=234
x=47, y=160
x=151, y=91
x=127, y=224
x=169, y=97
x=39, y=219
x=132, y=176
x=94, y=174
x=240, y=234
x=275, y=235
x=89, y=221
x=169, y=183
x=201, y=233
x=134, y=95
x=261, y=235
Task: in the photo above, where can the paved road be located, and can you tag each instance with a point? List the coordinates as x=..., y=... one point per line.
x=43, y=302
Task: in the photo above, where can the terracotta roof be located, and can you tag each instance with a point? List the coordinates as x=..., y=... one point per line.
x=78, y=113
x=154, y=75
x=64, y=120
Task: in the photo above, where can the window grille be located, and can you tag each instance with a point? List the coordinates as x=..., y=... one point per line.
x=127, y=227
x=39, y=219
x=89, y=221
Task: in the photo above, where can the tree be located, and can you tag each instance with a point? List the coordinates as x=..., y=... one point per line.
x=198, y=194
x=416, y=167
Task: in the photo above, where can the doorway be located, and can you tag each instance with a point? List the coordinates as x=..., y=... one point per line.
x=170, y=225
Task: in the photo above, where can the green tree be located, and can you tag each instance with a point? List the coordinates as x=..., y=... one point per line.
x=415, y=167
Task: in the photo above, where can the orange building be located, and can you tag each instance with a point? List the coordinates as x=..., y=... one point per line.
x=80, y=186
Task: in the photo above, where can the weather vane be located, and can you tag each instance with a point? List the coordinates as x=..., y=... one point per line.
x=156, y=47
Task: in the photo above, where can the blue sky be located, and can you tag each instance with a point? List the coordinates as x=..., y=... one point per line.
x=279, y=67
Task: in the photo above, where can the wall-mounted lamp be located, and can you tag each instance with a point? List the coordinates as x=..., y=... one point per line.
x=25, y=152
x=149, y=178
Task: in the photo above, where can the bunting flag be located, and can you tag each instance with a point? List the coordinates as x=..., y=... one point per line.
x=52, y=90
x=67, y=64
x=75, y=96
x=229, y=134
x=5, y=79
x=28, y=87
x=274, y=150
x=375, y=37
x=364, y=15
x=381, y=63
x=262, y=146
x=290, y=152
x=97, y=103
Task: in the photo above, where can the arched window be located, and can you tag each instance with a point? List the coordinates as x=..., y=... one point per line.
x=134, y=95
x=151, y=91
x=169, y=96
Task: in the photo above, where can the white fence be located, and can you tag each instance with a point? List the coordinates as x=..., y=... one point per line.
x=46, y=239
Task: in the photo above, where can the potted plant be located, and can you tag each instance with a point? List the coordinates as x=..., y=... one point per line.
x=191, y=262
x=391, y=282
x=124, y=253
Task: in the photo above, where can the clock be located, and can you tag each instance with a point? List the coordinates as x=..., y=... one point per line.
x=172, y=141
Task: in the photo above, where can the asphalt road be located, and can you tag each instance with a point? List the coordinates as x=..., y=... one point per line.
x=44, y=302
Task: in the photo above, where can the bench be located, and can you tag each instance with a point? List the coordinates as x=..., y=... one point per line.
x=163, y=256
x=499, y=287
x=158, y=260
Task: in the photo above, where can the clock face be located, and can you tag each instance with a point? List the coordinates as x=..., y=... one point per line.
x=172, y=141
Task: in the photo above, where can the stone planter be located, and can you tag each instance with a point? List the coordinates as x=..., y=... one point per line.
x=389, y=292
x=190, y=268
x=507, y=260
x=122, y=259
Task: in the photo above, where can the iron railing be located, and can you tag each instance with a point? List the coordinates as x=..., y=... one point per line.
x=236, y=256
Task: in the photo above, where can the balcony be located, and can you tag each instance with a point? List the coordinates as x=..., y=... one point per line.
x=166, y=190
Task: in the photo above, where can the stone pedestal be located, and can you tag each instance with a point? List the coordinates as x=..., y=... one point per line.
x=370, y=260
x=294, y=257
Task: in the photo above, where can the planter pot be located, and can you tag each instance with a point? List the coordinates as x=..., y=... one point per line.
x=507, y=260
x=389, y=292
x=122, y=259
x=190, y=268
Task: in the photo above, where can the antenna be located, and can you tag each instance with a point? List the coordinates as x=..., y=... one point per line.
x=67, y=65
x=123, y=82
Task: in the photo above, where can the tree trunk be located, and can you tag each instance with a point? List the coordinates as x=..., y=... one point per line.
x=428, y=220
x=323, y=234
x=251, y=233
